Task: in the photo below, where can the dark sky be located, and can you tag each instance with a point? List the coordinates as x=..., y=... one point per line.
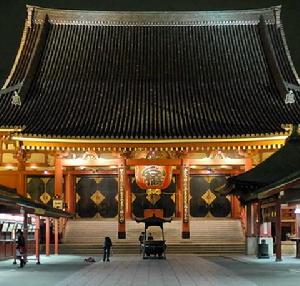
x=13, y=13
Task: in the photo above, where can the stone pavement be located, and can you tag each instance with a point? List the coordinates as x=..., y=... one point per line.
x=185, y=270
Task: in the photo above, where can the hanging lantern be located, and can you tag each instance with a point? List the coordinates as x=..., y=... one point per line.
x=153, y=176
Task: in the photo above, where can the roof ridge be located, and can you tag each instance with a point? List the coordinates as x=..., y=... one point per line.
x=150, y=17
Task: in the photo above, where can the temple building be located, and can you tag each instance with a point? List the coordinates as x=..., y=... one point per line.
x=120, y=115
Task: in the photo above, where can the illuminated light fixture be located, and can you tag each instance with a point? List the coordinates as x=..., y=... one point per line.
x=81, y=168
x=290, y=97
x=9, y=167
x=225, y=167
x=33, y=167
x=16, y=99
x=46, y=172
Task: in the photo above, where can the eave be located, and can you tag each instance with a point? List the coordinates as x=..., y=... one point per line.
x=233, y=143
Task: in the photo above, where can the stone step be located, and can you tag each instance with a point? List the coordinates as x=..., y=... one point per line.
x=202, y=231
x=134, y=249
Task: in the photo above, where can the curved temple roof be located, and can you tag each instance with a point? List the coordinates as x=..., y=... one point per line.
x=151, y=75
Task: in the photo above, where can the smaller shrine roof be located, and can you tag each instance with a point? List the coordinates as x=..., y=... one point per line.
x=279, y=169
x=12, y=202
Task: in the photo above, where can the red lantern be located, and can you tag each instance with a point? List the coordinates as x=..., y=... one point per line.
x=153, y=177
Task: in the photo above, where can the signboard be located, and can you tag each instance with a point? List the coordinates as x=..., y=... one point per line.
x=58, y=204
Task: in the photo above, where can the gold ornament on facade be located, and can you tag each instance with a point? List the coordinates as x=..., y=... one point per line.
x=45, y=198
x=121, y=185
x=185, y=190
x=45, y=180
x=173, y=198
x=209, y=197
x=97, y=197
x=77, y=198
x=153, y=195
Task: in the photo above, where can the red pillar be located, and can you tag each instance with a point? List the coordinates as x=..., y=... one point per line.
x=235, y=207
x=185, y=189
x=178, y=200
x=58, y=176
x=246, y=218
x=249, y=224
x=70, y=192
x=21, y=189
x=278, y=230
x=128, y=196
x=56, y=236
x=254, y=218
x=37, y=239
x=47, y=236
x=258, y=226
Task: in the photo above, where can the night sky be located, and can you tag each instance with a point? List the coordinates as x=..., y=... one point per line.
x=13, y=13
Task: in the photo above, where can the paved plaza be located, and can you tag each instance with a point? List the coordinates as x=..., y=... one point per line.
x=187, y=270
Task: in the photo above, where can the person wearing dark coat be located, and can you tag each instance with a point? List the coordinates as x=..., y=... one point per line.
x=141, y=240
x=20, y=248
x=106, y=248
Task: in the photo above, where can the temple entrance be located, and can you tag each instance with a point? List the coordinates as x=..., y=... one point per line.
x=205, y=198
x=164, y=199
x=97, y=196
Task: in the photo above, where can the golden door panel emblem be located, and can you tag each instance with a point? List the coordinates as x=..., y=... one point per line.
x=209, y=197
x=97, y=197
x=153, y=195
x=45, y=198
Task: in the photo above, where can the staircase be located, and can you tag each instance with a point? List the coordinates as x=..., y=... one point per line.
x=208, y=236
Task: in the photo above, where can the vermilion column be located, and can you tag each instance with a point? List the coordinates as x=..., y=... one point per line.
x=278, y=230
x=128, y=196
x=185, y=189
x=37, y=239
x=58, y=176
x=235, y=207
x=246, y=220
x=21, y=168
x=47, y=236
x=56, y=236
x=249, y=224
x=179, y=203
x=258, y=227
x=70, y=192
x=121, y=202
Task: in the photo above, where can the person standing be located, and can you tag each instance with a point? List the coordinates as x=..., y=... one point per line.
x=20, y=248
x=106, y=248
x=141, y=240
